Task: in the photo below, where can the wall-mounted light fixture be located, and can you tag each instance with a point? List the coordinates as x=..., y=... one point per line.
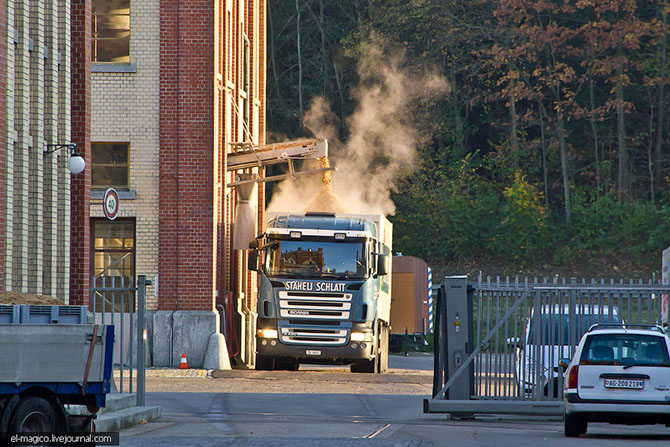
x=76, y=163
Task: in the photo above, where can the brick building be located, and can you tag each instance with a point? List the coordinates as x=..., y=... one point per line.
x=154, y=93
x=173, y=84
x=36, y=86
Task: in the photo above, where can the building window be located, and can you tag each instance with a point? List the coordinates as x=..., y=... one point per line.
x=113, y=264
x=109, y=165
x=111, y=31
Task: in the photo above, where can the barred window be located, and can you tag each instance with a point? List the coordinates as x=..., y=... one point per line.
x=111, y=31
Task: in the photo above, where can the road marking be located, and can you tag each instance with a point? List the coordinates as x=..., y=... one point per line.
x=372, y=435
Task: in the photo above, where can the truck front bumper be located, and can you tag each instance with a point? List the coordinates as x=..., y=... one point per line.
x=330, y=354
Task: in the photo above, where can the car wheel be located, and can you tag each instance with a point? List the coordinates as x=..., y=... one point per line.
x=574, y=425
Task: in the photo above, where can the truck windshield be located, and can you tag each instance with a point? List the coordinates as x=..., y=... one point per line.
x=316, y=259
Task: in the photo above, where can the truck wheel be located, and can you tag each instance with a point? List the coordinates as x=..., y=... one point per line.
x=264, y=363
x=287, y=365
x=364, y=366
x=33, y=415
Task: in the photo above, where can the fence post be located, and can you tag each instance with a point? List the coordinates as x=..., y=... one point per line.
x=141, y=336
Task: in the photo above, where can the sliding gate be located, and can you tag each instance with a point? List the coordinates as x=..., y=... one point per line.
x=498, y=343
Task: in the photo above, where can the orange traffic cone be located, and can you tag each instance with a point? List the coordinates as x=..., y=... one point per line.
x=183, y=364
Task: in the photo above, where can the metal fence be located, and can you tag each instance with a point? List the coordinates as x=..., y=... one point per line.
x=117, y=300
x=516, y=333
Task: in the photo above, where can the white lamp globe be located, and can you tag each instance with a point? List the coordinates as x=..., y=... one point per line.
x=76, y=164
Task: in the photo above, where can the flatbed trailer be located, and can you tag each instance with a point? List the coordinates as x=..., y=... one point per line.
x=44, y=367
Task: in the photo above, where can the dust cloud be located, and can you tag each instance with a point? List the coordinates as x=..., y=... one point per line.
x=382, y=139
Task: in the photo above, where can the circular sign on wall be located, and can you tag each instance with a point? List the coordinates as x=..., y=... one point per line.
x=110, y=204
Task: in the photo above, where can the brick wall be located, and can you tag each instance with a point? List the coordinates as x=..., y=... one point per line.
x=187, y=170
x=35, y=93
x=81, y=134
x=125, y=108
x=5, y=144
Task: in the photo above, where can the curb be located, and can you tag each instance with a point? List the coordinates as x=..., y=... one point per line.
x=117, y=420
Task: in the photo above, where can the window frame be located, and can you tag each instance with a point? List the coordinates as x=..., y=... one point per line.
x=95, y=38
x=127, y=164
x=94, y=251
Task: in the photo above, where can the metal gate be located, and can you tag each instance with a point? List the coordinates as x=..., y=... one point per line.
x=115, y=300
x=498, y=343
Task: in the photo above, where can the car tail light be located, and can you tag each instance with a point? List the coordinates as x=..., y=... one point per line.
x=573, y=377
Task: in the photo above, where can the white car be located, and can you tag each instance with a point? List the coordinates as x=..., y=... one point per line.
x=557, y=336
x=620, y=375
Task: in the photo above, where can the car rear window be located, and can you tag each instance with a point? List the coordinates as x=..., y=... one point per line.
x=625, y=349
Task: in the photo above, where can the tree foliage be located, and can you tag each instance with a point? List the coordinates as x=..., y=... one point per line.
x=553, y=143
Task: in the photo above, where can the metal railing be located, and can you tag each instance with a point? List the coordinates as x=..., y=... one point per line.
x=117, y=301
x=518, y=332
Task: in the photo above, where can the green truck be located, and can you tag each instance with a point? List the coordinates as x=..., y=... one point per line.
x=325, y=291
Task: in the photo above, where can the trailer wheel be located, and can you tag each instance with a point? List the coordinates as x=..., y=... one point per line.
x=33, y=415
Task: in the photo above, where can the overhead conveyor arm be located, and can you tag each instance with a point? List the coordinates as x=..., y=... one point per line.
x=246, y=155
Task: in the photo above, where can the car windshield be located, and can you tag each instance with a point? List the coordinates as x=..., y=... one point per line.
x=317, y=259
x=625, y=349
x=556, y=329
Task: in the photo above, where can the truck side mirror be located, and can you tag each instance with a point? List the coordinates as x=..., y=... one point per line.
x=252, y=262
x=382, y=265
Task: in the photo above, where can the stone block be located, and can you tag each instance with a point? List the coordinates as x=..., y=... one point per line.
x=191, y=330
x=162, y=338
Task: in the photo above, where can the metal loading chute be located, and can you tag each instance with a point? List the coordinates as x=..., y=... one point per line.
x=245, y=212
x=247, y=155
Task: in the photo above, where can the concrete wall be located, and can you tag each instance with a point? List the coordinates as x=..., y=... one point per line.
x=177, y=332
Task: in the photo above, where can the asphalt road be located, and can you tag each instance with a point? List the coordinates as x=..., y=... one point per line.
x=337, y=408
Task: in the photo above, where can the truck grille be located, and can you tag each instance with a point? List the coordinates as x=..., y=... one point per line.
x=312, y=336
x=301, y=305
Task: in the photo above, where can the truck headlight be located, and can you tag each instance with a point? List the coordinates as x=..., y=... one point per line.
x=361, y=336
x=267, y=333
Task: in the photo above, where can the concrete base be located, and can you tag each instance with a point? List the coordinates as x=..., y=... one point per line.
x=190, y=334
x=120, y=412
x=117, y=420
x=161, y=338
x=182, y=331
x=217, y=353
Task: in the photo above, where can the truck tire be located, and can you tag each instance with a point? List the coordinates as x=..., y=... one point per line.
x=33, y=415
x=370, y=366
x=365, y=366
x=287, y=364
x=264, y=363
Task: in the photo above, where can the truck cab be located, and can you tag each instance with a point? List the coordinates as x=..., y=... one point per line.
x=324, y=293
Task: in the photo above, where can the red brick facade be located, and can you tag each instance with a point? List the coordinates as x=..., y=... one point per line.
x=187, y=266
x=4, y=146
x=81, y=135
x=201, y=82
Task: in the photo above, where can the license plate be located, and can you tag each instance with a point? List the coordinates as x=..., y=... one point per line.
x=312, y=352
x=624, y=383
